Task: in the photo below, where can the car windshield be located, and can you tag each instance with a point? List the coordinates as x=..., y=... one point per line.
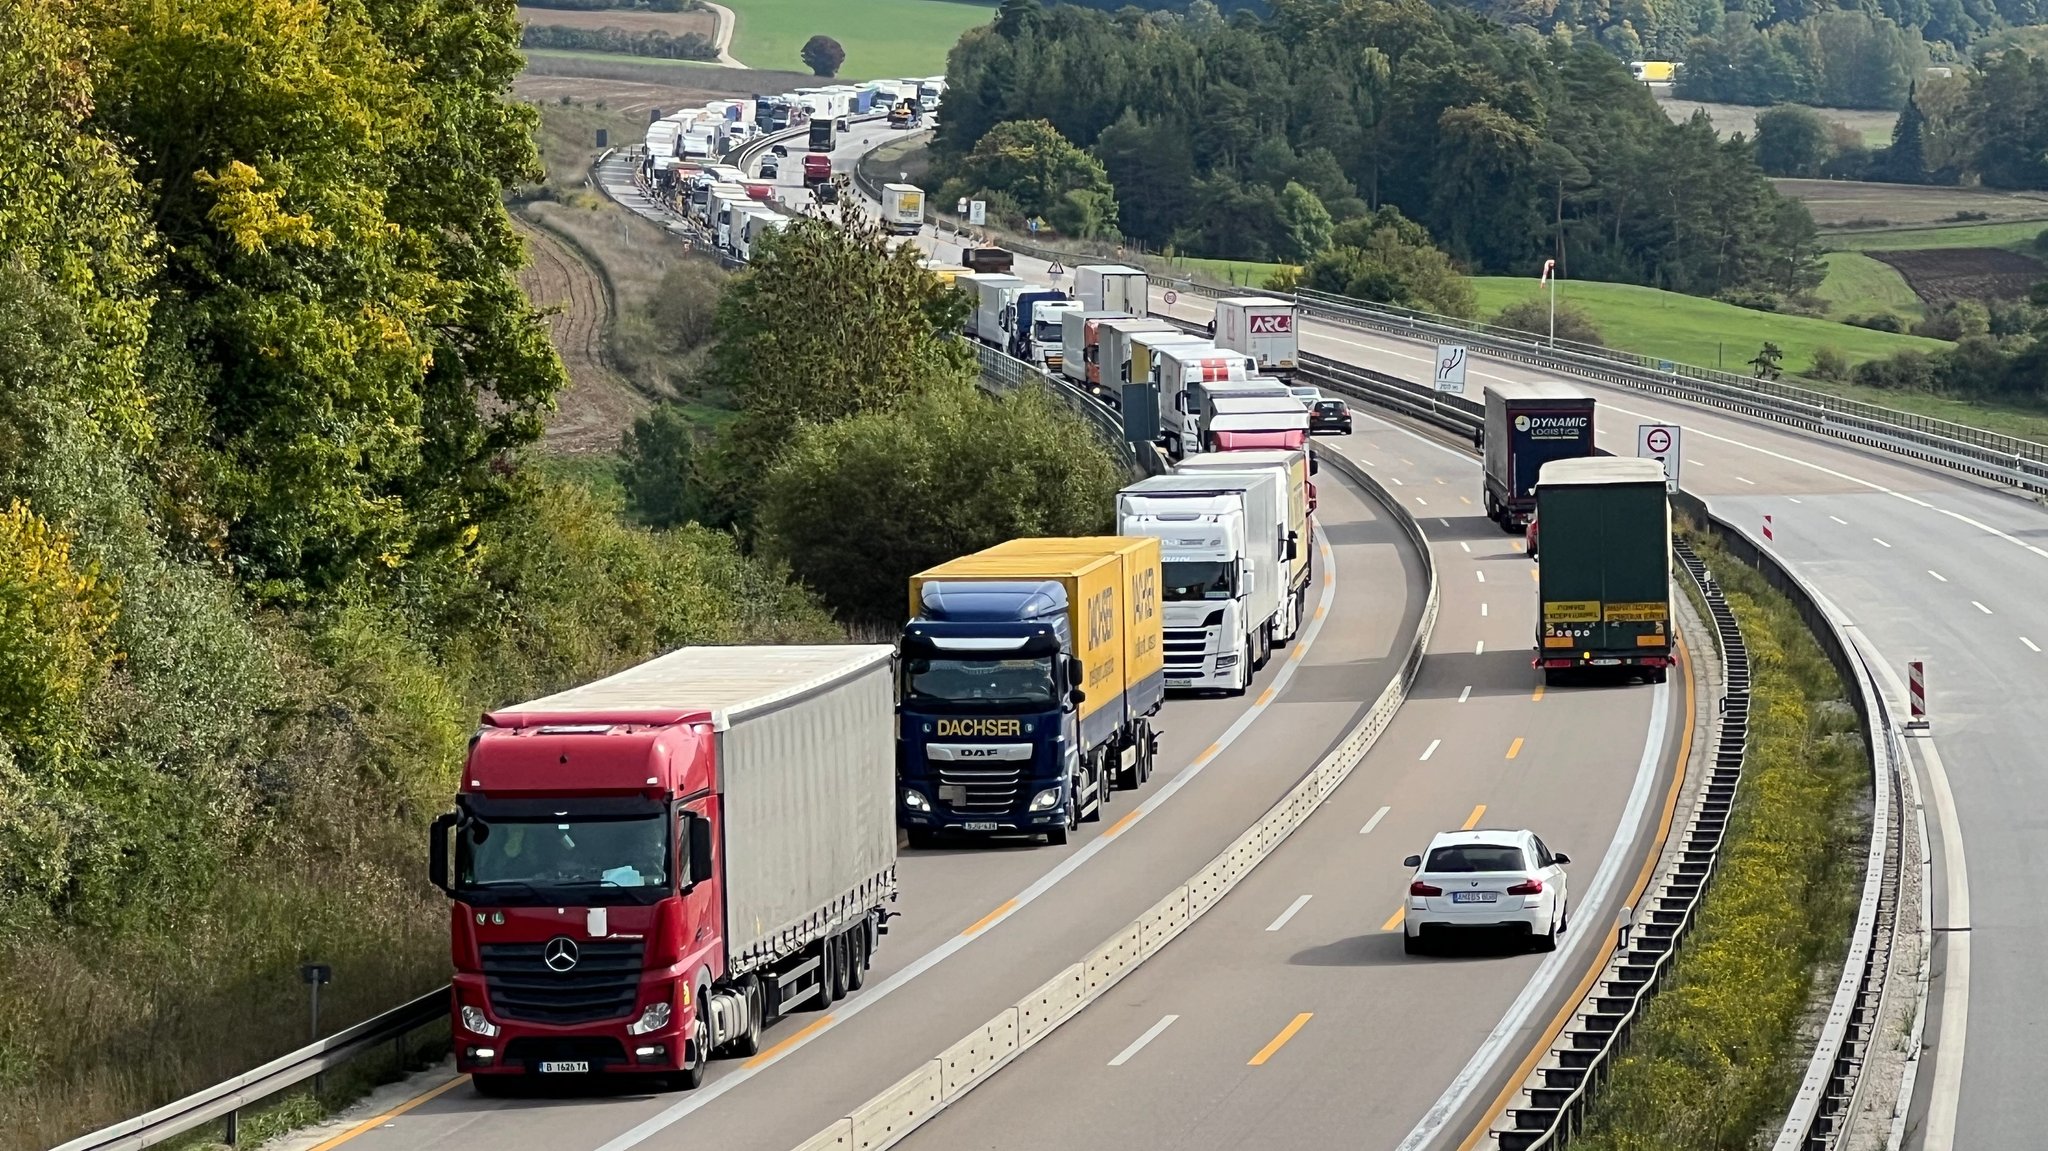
x=978, y=684
x=531, y=855
x=1199, y=579
x=1329, y=408
x=1472, y=857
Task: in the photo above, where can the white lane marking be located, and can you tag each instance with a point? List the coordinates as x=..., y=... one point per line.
x=855, y=1004
x=1839, y=520
x=1443, y=521
x=1288, y=914
x=1466, y=694
x=1513, y=1026
x=1480, y=649
x=1795, y=499
x=1139, y=1043
x=2031, y=645
x=1482, y=609
x=1396, y=480
x=1431, y=749
x=1481, y=575
x=1747, y=480
x=1420, y=502
x=1980, y=607
x=1466, y=546
x=1937, y=575
x=1879, y=542
x=1374, y=821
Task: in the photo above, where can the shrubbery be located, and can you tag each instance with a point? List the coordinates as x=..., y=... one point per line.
x=1574, y=325
x=625, y=42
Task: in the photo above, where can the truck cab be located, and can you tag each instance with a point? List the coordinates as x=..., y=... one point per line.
x=990, y=696
x=1033, y=326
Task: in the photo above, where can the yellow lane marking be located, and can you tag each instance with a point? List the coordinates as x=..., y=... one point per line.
x=1322, y=610
x=1265, y=697
x=1515, y=748
x=1532, y=575
x=1600, y=953
x=1395, y=920
x=1515, y=544
x=991, y=917
x=1537, y=695
x=1120, y=824
x=1466, y=500
x=775, y=1052
x=1472, y=820
x=395, y=1112
x=1281, y=1039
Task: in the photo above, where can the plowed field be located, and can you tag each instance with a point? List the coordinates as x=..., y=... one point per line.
x=599, y=403
x=1938, y=274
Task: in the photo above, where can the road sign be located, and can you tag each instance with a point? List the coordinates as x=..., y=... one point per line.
x=1450, y=368
x=977, y=212
x=1660, y=442
x=1916, y=689
x=1172, y=297
x=960, y=207
x=1055, y=269
x=1031, y=225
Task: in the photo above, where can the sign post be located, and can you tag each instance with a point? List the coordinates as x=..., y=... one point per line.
x=1768, y=537
x=1916, y=692
x=1660, y=442
x=1450, y=368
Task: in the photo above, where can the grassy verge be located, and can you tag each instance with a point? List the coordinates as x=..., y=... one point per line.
x=1857, y=285
x=2018, y=236
x=1719, y=1052
x=884, y=39
x=1247, y=273
x=1694, y=330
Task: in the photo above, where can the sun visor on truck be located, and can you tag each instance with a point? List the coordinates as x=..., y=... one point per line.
x=996, y=601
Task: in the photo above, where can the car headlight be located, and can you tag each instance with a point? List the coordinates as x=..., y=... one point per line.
x=473, y=1019
x=915, y=800
x=654, y=1018
x=1046, y=800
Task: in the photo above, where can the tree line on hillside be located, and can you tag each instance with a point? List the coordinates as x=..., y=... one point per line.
x=619, y=5
x=625, y=42
x=1988, y=126
x=1842, y=58
x=1255, y=139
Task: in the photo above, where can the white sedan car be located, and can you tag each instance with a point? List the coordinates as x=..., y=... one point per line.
x=1497, y=880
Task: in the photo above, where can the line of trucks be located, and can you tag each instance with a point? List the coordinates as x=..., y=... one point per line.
x=646, y=871
x=1598, y=527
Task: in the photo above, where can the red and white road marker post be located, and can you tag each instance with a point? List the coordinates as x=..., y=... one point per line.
x=1768, y=537
x=1916, y=696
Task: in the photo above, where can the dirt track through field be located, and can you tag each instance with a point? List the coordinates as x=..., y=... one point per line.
x=599, y=403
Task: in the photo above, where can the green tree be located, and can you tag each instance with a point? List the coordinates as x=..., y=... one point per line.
x=1574, y=324
x=823, y=56
x=1388, y=258
x=1152, y=167
x=1765, y=363
x=663, y=489
x=1306, y=221
x=858, y=506
x=1792, y=141
x=1041, y=172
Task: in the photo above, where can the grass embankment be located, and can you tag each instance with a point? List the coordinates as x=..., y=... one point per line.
x=1720, y=1050
x=1857, y=285
x=1695, y=330
x=2017, y=236
x=884, y=39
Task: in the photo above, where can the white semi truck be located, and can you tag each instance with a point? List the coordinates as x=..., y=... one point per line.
x=1297, y=525
x=1223, y=571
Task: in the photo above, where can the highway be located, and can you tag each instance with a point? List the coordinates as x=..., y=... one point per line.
x=981, y=927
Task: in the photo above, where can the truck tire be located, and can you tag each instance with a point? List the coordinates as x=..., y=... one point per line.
x=842, y=962
x=747, y=1043
x=697, y=1052
x=1057, y=837
x=921, y=838
x=857, y=957
x=1265, y=647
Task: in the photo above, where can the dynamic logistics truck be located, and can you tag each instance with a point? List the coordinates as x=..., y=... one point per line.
x=647, y=870
x=902, y=209
x=1297, y=526
x=1030, y=674
x=1527, y=426
x=1113, y=288
x=1261, y=327
x=1604, y=579
x=1223, y=558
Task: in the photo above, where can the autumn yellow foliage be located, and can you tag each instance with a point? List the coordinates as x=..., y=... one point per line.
x=54, y=615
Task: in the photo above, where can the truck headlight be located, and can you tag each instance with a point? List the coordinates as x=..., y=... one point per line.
x=653, y=1019
x=915, y=800
x=1046, y=800
x=473, y=1020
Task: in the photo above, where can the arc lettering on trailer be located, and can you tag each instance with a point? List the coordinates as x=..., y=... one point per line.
x=1276, y=324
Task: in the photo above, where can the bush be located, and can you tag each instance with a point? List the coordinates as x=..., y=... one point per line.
x=656, y=45
x=1574, y=325
x=1829, y=364
x=1955, y=320
x=1878, y=322
x=54, y=614
x=1752, y=299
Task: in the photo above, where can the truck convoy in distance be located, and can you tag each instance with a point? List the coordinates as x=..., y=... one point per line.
x=1261, y=327
x=1030, y=674
x=1223, y=561
x=902, y=209
x=1113, y=288
x=648, y=870
x=1604, y=579
x=1081, y=340
x=1297, y=528
x=1525, y=427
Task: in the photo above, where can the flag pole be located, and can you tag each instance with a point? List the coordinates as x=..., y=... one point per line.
x=1549, y=274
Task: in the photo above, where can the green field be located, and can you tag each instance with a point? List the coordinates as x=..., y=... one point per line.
x=1859, y=285
x=2018, y=236
x=618, y=58
x=883, y=38
x=1693, y=330
x=1249, y=273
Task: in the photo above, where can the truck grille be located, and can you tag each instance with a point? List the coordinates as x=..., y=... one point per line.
x=604, y=984
x=1184, y=647
x=969, y=788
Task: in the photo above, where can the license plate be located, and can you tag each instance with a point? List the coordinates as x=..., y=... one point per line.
x=979, y=826
x=1173, y=682
x=1605, y=662
x=1475, y=896
x=579, y=1067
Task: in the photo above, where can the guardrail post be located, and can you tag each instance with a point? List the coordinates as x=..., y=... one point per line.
x=231, y=1128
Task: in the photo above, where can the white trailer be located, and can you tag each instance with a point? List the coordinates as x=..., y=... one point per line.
x=994, y=292
x=902, y=209
x=1295, y=529
x=1113, y=288
x=1261, y=327
x=1221, y=575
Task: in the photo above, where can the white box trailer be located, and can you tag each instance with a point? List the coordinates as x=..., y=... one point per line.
x=1263, y=328
x=993, y=293
x=1080, y=339
x=1296, y=526
x=758, y=225
x=743, y=217
x=1113, y=288
x=902, y=209
x=1222, y=577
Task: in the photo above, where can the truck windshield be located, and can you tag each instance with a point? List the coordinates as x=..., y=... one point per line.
x=1204, y=579
x=523, y=859
x=978, y=684
x=1047, y=331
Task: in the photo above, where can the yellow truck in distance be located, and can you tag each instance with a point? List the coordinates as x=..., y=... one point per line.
x=1030, y=673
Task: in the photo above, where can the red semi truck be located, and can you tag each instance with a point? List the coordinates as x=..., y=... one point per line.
x=647, y=870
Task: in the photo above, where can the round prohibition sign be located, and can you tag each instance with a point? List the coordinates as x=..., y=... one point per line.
x=1659, y=440
x=1172, y=297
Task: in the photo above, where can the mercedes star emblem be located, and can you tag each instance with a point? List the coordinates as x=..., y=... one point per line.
x=560, y=954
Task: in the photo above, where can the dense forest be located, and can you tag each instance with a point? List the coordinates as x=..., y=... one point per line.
x=1249, y=139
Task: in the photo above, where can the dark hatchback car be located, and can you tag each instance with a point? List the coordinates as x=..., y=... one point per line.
x=1329, y=417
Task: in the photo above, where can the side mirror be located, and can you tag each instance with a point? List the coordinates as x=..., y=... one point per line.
x=1293, y=545
x=1078, y=697
x=1479, y=438
x=1076, y=670
x=700, y=849
x=1561, y=858
x=437, y=851
x=1412, y=861
x=1315, y=464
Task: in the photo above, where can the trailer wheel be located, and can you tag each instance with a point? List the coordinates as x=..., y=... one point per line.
x=838, y=946
x=857, y=957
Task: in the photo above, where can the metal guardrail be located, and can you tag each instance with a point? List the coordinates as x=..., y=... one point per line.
x=224, y=1101
x=1828, y=1091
